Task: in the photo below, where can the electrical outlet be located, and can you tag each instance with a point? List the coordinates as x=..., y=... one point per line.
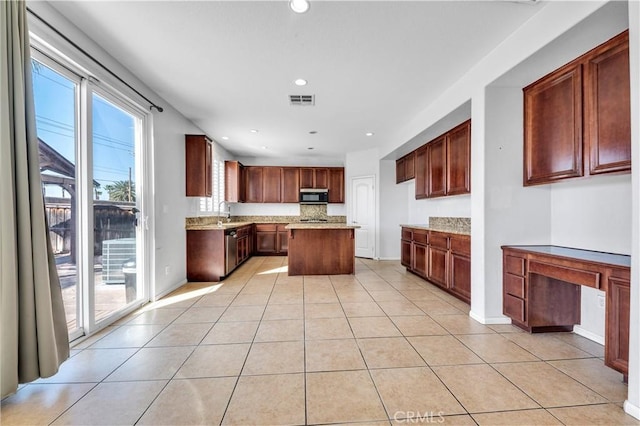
x=166, y=270
x=601, y=301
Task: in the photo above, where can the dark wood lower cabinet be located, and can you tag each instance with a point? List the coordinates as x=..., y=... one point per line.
x=420, y=259
x=271, y=239
x=542, y=292
x=460, y=278
x=321, y=251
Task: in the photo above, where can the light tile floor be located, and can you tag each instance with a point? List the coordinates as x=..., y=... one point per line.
x=381, y=347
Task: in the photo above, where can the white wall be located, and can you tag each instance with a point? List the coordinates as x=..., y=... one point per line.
x=419, y=211
x=392, y=212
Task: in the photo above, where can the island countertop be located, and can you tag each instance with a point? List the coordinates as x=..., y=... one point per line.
x=322, y=225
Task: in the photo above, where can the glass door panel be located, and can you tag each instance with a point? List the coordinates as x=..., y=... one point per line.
x=115, y=138
x=55, y=96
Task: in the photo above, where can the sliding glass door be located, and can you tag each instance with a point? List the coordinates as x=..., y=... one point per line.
x=91, y=160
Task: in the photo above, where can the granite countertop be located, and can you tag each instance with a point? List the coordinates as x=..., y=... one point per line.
x=321, y=226
x=437, y=229
x=214, y=226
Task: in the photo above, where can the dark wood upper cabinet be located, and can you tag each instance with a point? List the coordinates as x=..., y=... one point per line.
x=607, y=112
x=234, y=182
x=459, y=159
x=421, y=172
x=436, y=165
x=199, y=158
x=307, y=177
x=290, y=185
x=336, y=185
x=577, y=118
x=322, y=178
x=272, y=181
x=255, y=183
x=405, y=167
x=314, y=177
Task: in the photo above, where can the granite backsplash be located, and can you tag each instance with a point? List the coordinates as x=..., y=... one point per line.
x=456, y=224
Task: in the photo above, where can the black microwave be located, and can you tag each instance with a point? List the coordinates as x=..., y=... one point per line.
x=314, y=196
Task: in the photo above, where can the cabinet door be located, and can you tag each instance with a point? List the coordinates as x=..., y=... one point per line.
x=405, y=258
x=255, y=181
x=266, y=242
x=422, y=176
x=234, y=188
x=553, y=126
x=460, y=279
x=400, y=172
x=437, y=161
x=608, y=107
x=459, y=160
x=617, y=324
x=272, y=180
x=336, y=185
x=409, y=166
x=290, y=185
x=198, y=160
x=420, y=259
x=282, y=242
x=306, y=177
x=321, y=179
x=438, y=266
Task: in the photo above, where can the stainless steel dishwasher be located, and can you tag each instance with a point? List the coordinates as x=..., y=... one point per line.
x=231, y=244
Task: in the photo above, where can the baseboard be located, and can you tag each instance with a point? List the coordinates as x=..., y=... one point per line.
x=169, y=290
x=588, y=334
x=388, y=258
x=632, y=410
x=490, y=320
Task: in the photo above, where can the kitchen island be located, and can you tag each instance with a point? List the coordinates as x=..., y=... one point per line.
x=321, y=248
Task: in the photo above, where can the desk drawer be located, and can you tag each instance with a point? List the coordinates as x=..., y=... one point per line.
x=515, y=265
x=420, y=236
x=514, y=308
x=514, y=285
x=564, y=273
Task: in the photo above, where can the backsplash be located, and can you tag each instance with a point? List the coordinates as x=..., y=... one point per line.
x=458, y=224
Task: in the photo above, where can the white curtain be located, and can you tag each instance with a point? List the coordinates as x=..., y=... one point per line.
x=33, y=331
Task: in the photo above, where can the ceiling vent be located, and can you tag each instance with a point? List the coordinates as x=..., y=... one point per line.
x=302, y=100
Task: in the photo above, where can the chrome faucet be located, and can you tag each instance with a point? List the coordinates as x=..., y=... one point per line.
x=220, y=221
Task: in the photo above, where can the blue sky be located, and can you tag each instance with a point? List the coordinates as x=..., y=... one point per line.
x=113, y=129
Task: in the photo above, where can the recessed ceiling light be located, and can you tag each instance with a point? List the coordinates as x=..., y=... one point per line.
x=313, y=132
x=300, y=82
x=299, y=6
x=264, y=147
x=369, y=134
x=254, y=130
x=311, y=148
x=225, y=138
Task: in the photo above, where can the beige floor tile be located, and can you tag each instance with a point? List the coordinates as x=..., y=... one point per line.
x=128, y=336
x=120, y=403
x=517, y=418
x=373, y=327
x=41, y=404
x=194, y=315
x=429, y=418
x=419, y=325
x=437, y=307
x=284, y=405
x=275, y=358
x=333, y=355
x=250, y=299
x=358, y=296
x=84, y=342
x=286, y=298
x=389, y=352
x=362, y=309
x=231, y=332
x=323, y=310
x=443, y=350
x=327, y=328
x=413, y=390
x=215, y=299
x=280, y=331
x=281, y=312
x=190, y=402
x=151, y=364
x=181, y=335
x=479, y=388
x=461, y=324
x=589, y=346
x=548, y=386
x=592, y=373
x=342, y=396
x=387, y=296
x=603, y=414
x=162, y=316
x=320, y=297
x=415, y=295
x=400, y=308
x=376, y=284
x=215, y=361
x=546, y=347
x=90, y=365
x=242, y=313
x=493, y=348
x=505, y=328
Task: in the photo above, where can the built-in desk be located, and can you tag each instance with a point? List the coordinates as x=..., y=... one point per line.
x=542, y=285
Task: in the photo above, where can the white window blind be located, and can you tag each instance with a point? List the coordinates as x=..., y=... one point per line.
x=210, y=204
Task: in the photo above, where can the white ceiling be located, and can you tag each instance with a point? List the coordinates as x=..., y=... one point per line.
x=229, y=66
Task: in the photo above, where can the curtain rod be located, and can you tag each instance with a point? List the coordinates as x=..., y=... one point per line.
x=84, y=52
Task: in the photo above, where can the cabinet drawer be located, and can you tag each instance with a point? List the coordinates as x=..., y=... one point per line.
x=439, y=240
x=420, y=236
x=564, y=273
x=515, y=265
x=514, y=308
x=407, y=234
x=266, y=227
x=460, y=245
x=514, y=285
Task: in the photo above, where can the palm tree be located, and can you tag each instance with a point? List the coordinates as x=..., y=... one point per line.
x=122, y=190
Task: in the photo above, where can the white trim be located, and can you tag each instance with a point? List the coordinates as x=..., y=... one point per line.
x=631, y=409
x=588, y=334
x=489, y=320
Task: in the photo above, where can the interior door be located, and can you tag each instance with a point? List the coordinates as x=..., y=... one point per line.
x=363, y=214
